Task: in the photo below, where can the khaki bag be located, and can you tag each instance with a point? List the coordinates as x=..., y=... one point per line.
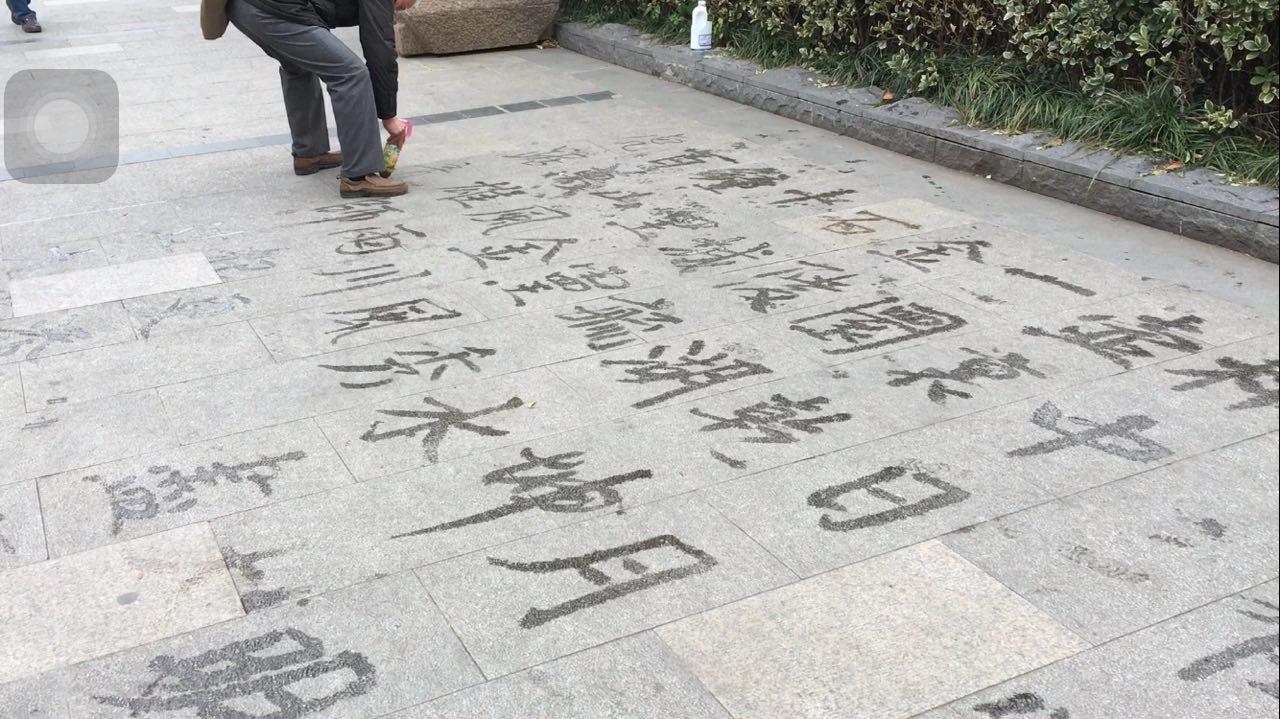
x=213, y=18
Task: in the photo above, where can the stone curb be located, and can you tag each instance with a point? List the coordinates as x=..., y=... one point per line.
x=1197, y=203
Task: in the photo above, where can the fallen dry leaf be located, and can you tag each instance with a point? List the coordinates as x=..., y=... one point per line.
x=887, y=96
x=1175, y=165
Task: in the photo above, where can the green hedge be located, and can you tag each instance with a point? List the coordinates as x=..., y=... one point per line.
x=1196, y=80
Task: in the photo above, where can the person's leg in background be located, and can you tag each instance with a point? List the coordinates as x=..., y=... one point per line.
x=20, y=13
x=305, y=50
x=304, y=105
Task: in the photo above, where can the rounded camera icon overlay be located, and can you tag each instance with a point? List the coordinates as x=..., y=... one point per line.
x=61, y=126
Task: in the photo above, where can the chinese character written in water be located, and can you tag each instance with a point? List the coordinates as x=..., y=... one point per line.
x=980, y=366
x=1118, y=342
x=693, y=216
x=174, y=491
x=245, y=566
x=1021, y=705
x=368, y=240
x=588, y=180
x=6, y=546
x=502, y=219
x=542, y=158
x=765, y=291
x=800, y=197
x=43, y=334
x=1095, y=435
x=1050, y=280
x=912, y=489
x=688, y=158
x=355, y=211
x=242, y=261
x=611, y=327
x=642, y=142
x=582, y=278
x=922, y=256
x=1266, y=645
x=253, y=679
x=470, y=195
x=505, y=253
x=777, y=420
x=389, y=315
x=876, y=324
x=675, y=560
x=548, y=484
x=692, y=371
x=406, y=362
x=863, y=222
x=739, y=178
x=201, y=308
x=437, y=422
x=362, y=278
x=707, y=252
x=1259, y=381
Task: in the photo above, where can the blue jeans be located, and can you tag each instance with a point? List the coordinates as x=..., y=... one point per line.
x=20, y=10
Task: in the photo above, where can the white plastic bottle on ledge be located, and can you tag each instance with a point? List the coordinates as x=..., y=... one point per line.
x=700, y=31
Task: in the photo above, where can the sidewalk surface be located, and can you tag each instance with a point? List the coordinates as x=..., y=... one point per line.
x=640, y=404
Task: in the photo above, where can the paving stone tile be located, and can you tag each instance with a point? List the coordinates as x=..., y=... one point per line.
x=874, y=322
x=152, y=493
x=49, y=293
x=61, y=332
x=11, y=399
x=632, y=678
x=422, y=429
x=841, y=508
x=1211, y=662
x=42, y=697
x=21, y=530
x=520, y=604
x=403, y=313
x=679, y=369
x=91, y=604
x=885, y=638
x=131, y=366
x=860, y=225
x=356, y=654
x=55, y=440
x=1121, y=557
x=36, y=256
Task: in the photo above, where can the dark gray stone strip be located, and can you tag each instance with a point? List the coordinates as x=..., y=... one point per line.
x=1197, y=204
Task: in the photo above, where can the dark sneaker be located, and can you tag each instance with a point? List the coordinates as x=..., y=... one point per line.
x=312, y=165
x=31, y=25
x=371, y=186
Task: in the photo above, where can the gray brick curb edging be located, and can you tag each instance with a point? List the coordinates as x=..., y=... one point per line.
x=1197, y=204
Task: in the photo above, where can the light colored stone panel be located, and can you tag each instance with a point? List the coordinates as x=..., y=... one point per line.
x=106, y=284
x=21, y=533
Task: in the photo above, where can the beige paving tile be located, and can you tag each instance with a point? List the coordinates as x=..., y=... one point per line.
x=106, y=284
x=885, y=639
x=88, y=605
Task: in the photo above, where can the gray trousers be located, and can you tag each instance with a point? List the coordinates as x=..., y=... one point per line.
x=307, y=56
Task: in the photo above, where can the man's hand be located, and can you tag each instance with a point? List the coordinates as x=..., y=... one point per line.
x=404, y=4
x=395, y=128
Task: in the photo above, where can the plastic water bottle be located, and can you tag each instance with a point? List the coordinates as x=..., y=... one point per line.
x=391, y=151
x=700, y=31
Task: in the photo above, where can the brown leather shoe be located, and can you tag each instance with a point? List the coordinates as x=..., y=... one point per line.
x=371, y=186
x=312, y=165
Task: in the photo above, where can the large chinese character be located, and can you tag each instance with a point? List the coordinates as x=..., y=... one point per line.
x=1117, y=342
x=1266, y=645
x=688, y=158
x=1249, y=378
x=1095, y=435
x=252, y=679
x=707, y=252
x=542, y=158
x=980, y=366
x=863, y=222
x=692, y=216
x=690, y=372
x=368, y=240
x=915, y=477
x=923, y=255
x=43, y=334
x=406, y=362
x=876, y=324
x=800, y=197
x=436, y=423
x=197, y=309
x=638, y=143
x=777, y=420
x=505, y=253
x=502, y=219
x=470, y=195
x=245, y=566
x=548, y=484
x=589, y=180
x=362, y=278
x=584, y=277
x=173, y=491
x=767, y=290
x=1050, y=280
x=1024, y=704
x=389, y=315
x=610, y=327
x=355, y=211
x=739, y=178
x=249, y=260
x=675, y=559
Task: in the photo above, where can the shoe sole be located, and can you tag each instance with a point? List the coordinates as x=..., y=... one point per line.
x=352, y=194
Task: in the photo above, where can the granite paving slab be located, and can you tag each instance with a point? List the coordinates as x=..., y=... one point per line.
x=22, y=537
x=29, y=338
x=49, y=293
x=11, y=399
